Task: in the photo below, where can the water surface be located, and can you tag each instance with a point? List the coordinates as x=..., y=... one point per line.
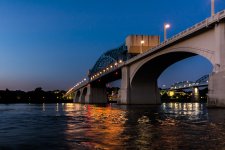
x=77, y=126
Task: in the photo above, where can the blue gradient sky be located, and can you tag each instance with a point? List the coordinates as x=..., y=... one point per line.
x=52, y=43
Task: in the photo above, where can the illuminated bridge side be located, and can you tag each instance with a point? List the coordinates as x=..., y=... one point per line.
x=139, y=74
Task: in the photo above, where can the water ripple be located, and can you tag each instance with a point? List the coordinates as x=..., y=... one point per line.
x=76, y=126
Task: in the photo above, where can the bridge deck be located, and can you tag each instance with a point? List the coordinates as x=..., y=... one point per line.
x=205, y=24
x=197, y=28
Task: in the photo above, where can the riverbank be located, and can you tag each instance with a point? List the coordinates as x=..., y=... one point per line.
x=37, y=96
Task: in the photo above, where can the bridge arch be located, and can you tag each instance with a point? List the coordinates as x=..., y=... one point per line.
x=182, y=52
x=144, y=74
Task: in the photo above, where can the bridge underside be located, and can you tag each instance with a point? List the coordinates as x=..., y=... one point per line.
x=91, y=95
x=95, y=92
x=139, y=76
x=143, y=89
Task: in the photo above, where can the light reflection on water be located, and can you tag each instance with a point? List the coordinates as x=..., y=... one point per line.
x=190, y=111
x=77, y=126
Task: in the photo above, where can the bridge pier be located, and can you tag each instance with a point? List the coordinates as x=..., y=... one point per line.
x=97, y=95
x=141, y=93
x=216, y=95
x=125, y=86
x=93, y=95
x=76, y=97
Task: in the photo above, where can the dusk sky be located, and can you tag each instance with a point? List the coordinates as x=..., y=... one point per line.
x=53, y=43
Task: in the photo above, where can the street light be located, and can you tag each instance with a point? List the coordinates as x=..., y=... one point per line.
x=166, y=26
x=142, y=42
x=212, y=7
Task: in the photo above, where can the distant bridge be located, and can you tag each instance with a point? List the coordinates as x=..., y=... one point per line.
x=201, y=82
x=139, y=64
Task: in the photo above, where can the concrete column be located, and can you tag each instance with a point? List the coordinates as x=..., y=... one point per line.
x=83, y=95
x=145, y=92
x=96, y=95
x=88, y=94
x=80, y=95
x=76, y=97
x=144, y=89
x=125, y=86
x=216, y=95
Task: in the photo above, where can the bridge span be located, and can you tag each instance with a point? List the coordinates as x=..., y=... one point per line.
x=201, y=82
x=139, y=65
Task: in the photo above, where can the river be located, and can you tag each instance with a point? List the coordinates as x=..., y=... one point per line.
x=77, y=126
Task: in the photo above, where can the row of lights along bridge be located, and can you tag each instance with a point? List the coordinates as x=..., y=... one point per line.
x=115, y=65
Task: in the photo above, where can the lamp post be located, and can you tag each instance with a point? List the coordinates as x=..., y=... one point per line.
x=166, y=26
x=212, y=7
x=142, y=42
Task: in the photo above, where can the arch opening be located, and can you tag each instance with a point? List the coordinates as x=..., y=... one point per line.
x=145, y=81
x=109, y=86
x=113, y=91
x=186, y=80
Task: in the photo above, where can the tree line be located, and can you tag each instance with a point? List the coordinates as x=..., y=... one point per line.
x=35, y=96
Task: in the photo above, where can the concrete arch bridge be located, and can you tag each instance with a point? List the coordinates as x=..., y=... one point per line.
x=139, y=64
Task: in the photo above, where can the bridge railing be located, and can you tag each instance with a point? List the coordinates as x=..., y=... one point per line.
x=217, y=17
x=205, y=23
x=96, y=76
x=188, y=86
x=108, y=69
x=77, y=86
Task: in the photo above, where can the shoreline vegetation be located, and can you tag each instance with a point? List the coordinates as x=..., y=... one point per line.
x=36, y=96
x=57, y=96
